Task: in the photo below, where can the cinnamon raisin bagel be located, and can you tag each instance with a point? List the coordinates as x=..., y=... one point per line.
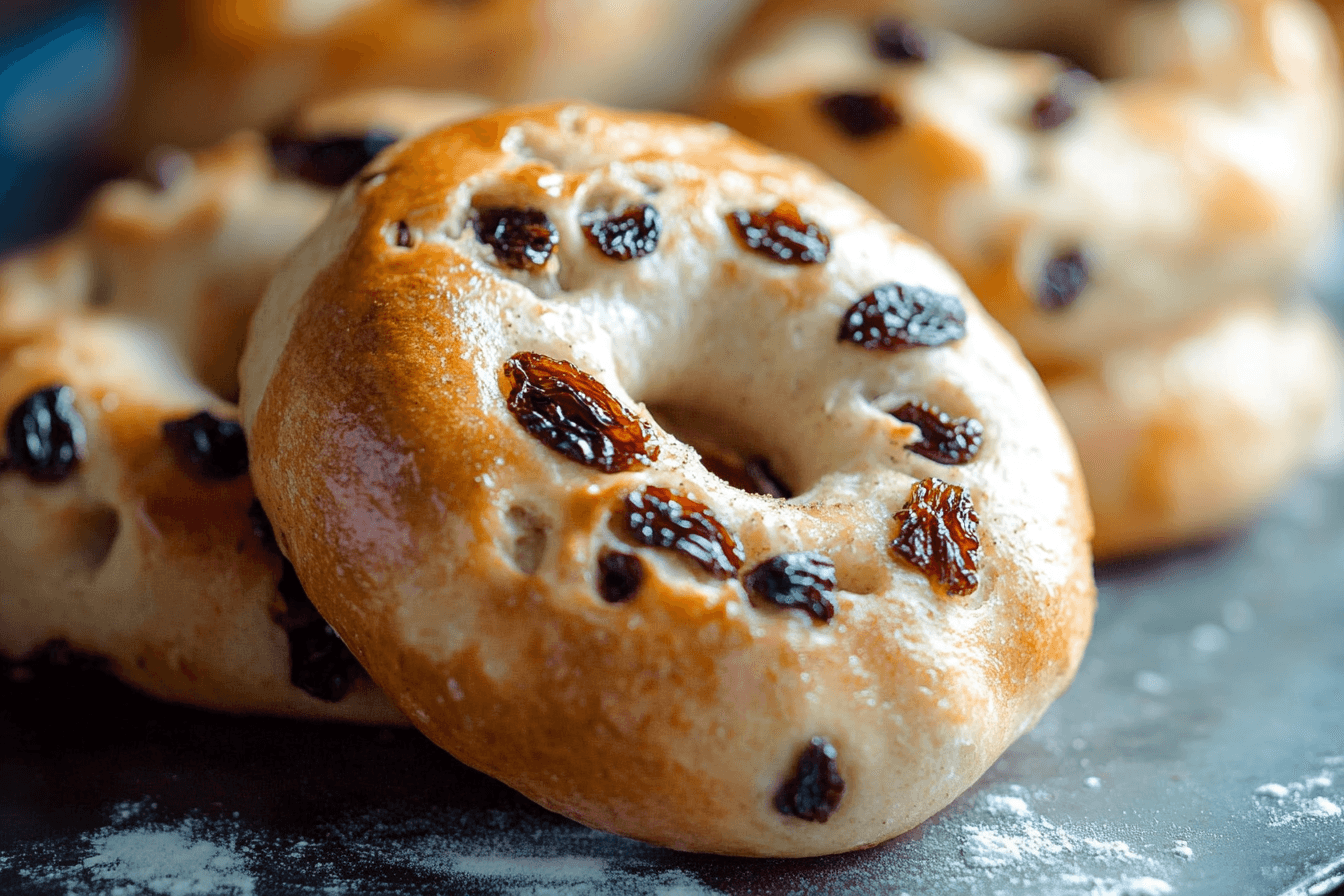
x=665, y=480
x=143, y=546
x=209, y=67
x=1096, y=219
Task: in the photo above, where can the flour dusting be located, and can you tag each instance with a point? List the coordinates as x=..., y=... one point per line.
x=1298, y=802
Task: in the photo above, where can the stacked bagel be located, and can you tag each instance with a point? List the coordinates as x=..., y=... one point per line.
x=1143, y=226
x=642, y=467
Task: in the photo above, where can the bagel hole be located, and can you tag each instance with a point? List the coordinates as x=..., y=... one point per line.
x=729, y=451
x=528, y=534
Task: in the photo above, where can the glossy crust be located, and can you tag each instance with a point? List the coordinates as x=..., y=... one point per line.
x=1204, y=167
x=1184, y=438
x=256, y=60
x=142, y=310
x=459, y=555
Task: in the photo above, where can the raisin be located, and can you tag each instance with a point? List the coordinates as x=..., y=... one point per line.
x=815, y=790
x=803, y=580
x=860, y=115
x=944, y=439
x=214, y=448
x=938, y=535
x=893, y=317
x=574, y=414
x=898, y=41
x=45, y=435
x=619, y=576
x=403, y=235
x=521, y=237
x=624, y=237
x=781, y=235
x=1066, y=276
x=661, y=518
x=1052, y=110
x=319, y=661
x=330, y=161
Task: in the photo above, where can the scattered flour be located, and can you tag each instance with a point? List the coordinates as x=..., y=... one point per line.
x=1181, y=849
x=1297, y=802
x=1093, y=782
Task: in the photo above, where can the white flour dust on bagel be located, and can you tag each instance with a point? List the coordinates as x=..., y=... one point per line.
x=665, y=480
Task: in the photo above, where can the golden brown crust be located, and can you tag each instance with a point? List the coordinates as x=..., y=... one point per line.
x=135, y=559
x=1182, y=440
x=1205, y=168
x=257, y=60
x=458, y=554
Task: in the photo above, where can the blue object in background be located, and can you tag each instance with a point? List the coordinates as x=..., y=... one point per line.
x=62, y=68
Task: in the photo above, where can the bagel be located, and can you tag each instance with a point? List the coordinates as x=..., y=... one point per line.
x=145, y=547
x=257, y=59
x=1096, y=219
x=666, y=481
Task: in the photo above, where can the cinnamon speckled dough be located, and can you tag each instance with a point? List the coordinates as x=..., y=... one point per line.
x=1193, y=434
x=142, y=311
x=206, y=68
x=459, y=554
x=1206, y=168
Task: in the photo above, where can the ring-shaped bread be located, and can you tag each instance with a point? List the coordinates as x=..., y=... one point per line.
x=495, y=404
x=1085, y=214
x=144, y=548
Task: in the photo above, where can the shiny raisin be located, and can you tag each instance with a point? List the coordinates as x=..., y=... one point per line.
x=938, y=535
x=619, y=576
x=661, y=518
x=624, y=237
x=213, y=447
x=574, y=414
x=45, y=435
x=815, y=790
x=893, y=317
x=803, y=580
x=1066, y=276
x=319, y=661
x=895, y=40
x=330, y=161
x=944, y=439
x=781, y=235
x=403, y=235
x=860, y=115
x=521, y=237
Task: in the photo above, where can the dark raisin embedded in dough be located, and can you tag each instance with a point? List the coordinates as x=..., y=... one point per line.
x=893, y=317
x=521, y=237
x=781, y=235
x=895, y=40
x=803, y=580
x=574, y=414
x=815, y=790
x=45, y=435
x=631, y=234
x=403, y=235
x=661, y=518
x=213, y=447
x=939, y=535
x=619, y=576
x=319, y=661
x=943, y=439
x=329, y=161
x=860, y=115
x=1066, y=276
